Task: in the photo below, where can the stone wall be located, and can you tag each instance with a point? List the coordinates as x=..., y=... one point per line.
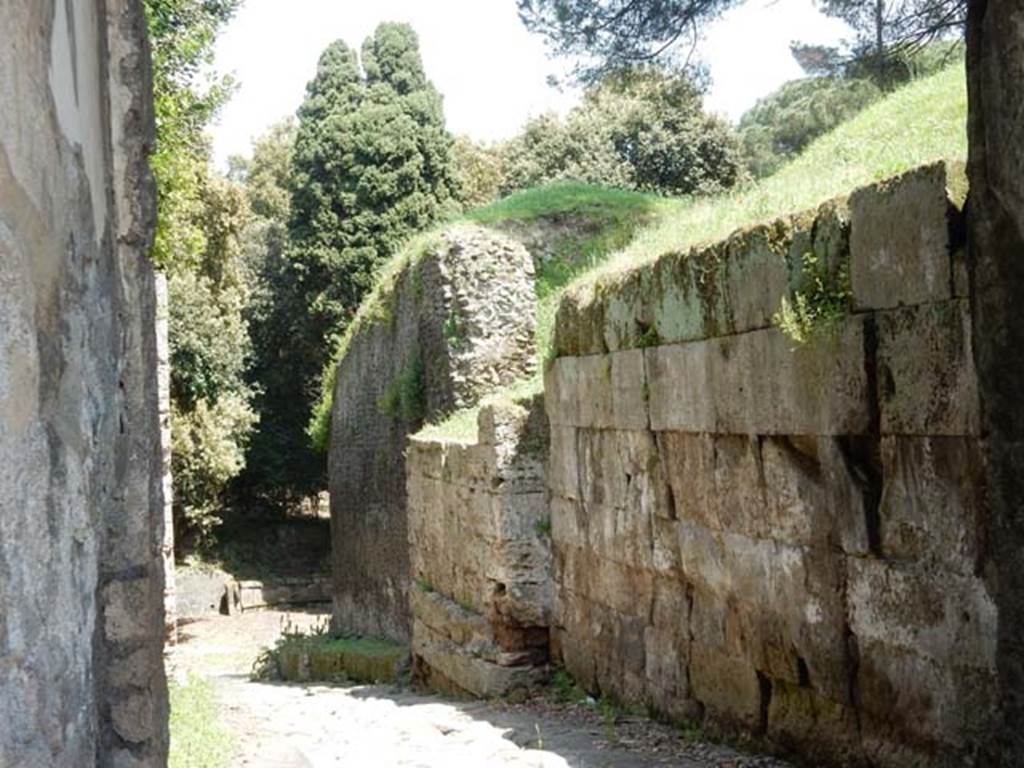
x=786, y=539
x=81, y=572
x=481, y=553
x=452, y=324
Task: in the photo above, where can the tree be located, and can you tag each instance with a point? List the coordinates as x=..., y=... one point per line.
x=605, y=35
x=479, y=171
x=617, y=34
x=783, y=123
x=200, y=221
x=371, y=165
x=280, y=467
x=186, y=97
x=644, y=129
x=889, y=32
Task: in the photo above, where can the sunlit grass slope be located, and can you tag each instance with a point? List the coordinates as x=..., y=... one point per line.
x=920, y=123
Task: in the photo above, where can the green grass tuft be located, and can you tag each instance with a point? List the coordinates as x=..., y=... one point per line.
x=198, y=740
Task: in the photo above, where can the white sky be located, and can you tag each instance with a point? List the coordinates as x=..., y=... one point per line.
x=491, y=71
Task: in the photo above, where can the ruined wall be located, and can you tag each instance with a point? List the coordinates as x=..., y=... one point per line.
x=81, y=575
x=481, y=552
x=784, y=538
x=453, y=324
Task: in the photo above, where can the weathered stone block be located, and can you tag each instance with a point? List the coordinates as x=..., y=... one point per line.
x=899, y=241
x=915, y=701
x=802, y=720
x=931, y=504
x=926, y=378
x=757, y=383
x=934, y=613
x=727, y=687
x=814, y=493
x=563, y=464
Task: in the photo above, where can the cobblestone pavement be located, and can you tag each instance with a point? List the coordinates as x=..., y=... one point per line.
x=322, y=726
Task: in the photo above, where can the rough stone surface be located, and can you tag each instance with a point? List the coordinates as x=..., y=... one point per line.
x=786, y=540
x=251, y=594
x=81, y=515
x=995, y=72
x=479, y=534
x=900, y=249
x=457, y=322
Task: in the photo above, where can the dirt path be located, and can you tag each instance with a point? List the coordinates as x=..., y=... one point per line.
x=313, y=725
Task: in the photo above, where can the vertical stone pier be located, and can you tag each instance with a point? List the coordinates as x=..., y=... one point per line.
x=81, y=498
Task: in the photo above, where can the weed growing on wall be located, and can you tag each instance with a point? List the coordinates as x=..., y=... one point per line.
x=817, y=310
x=405, y=398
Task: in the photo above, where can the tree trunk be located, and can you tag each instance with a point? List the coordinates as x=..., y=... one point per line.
x=995, y=74
x=880, y=32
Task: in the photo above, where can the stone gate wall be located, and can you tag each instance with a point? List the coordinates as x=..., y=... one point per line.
x=453, y=324
x=81, y=571
x=783, y=538
x=479, y=534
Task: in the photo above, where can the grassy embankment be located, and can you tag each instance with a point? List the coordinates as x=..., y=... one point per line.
x=920, y=123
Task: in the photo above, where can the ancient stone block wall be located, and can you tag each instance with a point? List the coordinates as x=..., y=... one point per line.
x=481, y=553
x=453, y=324
x=783, y=538
x=81, y=572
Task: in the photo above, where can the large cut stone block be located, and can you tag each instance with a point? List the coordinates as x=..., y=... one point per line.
x=899, y=241
x=934, y=613
x=727, y=686
x=931, y=504
x=757, y=383
x=601, y=391
x=926, y=378
x=908, y=699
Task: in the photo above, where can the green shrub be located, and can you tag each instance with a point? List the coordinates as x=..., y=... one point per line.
x=643, y=130
x=783, y=123
x=405, y=398
x=819, y=307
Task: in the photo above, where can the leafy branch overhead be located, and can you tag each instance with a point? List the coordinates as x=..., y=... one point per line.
x=610, y=35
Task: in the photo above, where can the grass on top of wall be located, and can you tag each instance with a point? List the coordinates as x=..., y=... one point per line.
x=602, y=222
x=920, y=123
x=618, y=231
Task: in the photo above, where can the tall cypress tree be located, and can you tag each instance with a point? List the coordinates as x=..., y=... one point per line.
x=371, y=166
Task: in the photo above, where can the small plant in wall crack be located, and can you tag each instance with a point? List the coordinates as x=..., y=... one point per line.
x=816, y=310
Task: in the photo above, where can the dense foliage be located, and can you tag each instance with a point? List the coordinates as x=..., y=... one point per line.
x=643, y=130
x=198, y=244
x=479, y=171
x=781, y=124
x=281, y=469
x=370, y=165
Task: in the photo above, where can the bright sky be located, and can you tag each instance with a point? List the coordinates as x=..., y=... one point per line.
x=491, y=71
